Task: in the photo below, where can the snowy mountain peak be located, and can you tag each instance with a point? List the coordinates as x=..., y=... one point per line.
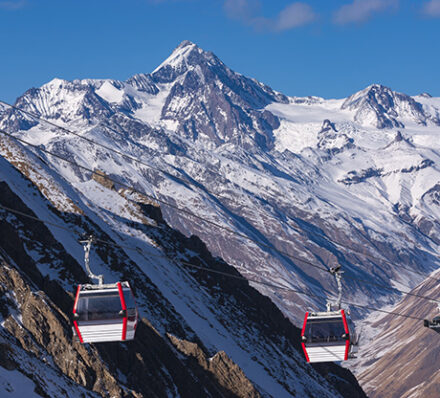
x=381, y=107
x=55, y=82
x=185, y=57
x=211, y=102
x=425, y=95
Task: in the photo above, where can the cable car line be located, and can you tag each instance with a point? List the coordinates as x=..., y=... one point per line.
x=208, y=221
x=278, y=287
x=226, y=274
x=262, y=244
x=66, y=130
x=34, y=218
x=124, y=155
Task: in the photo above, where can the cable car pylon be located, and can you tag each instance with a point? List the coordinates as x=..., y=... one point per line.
x=103, y=312
x=329, y=336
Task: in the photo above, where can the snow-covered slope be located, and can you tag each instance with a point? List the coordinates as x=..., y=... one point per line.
x=200, y=335
x=308, y=181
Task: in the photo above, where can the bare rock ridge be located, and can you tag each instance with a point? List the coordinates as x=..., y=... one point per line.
x=101, y=178
x=228, y=374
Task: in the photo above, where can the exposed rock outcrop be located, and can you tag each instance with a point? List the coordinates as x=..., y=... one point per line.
x=222, y=368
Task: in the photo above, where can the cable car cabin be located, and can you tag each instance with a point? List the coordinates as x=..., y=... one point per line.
x=105, y=313
x=328, y=336
x=434, y=325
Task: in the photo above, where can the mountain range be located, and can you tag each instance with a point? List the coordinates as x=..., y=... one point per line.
x=210, y=166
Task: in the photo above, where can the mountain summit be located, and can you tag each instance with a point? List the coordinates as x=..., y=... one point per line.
x=228, y=105
x=381, y=107
x=185, y=56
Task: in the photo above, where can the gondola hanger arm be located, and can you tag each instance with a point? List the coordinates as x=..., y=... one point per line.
x=337, y=272
x=87, y=246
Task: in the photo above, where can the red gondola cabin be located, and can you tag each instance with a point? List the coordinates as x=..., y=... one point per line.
x=328, y=336
x=103, y=313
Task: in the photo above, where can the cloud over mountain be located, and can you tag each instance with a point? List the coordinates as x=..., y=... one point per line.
x=361, y=10
x=431, y=8
x=248, y=12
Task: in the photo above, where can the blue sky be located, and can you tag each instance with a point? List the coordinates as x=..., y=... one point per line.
x=329, y=48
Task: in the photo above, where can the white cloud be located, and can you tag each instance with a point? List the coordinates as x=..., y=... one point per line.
x=294, y=15
x=242, y=10
x=362, y=10
x=12, y=5
x=249, y=12
x=432, y=9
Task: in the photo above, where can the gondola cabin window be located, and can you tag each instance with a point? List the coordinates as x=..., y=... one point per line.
x=324, y=330
x=94, y=307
